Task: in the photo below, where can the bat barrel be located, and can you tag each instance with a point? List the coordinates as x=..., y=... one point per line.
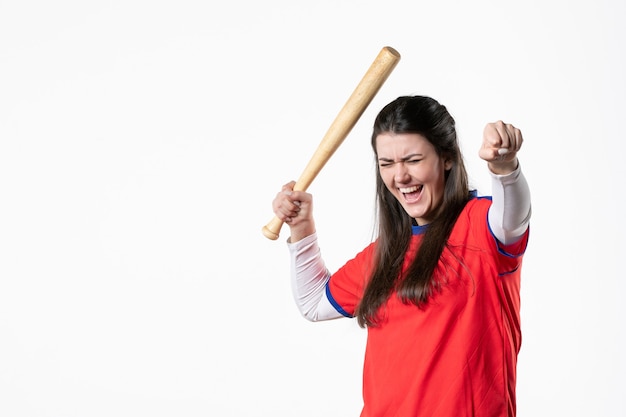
x=348, y=116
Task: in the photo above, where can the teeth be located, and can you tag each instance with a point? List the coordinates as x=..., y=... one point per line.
x=408, y=190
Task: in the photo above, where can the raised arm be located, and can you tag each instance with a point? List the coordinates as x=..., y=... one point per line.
x=510, y=212
x=309, y=274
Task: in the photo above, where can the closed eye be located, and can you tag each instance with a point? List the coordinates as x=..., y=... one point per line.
x=385, y=163
x=410, y=159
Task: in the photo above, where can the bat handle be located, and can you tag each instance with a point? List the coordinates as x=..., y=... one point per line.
x=272, y=229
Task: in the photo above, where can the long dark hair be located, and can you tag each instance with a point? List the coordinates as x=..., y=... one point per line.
x=425, y=116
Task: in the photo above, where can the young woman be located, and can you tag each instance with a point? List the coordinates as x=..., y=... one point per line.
x=439, y=288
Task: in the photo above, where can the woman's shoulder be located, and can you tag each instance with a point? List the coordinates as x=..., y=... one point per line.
x=478, y=202
x=475, y=211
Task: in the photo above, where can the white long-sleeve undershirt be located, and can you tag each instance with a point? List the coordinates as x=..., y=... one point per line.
x=508, y=218
x=509, y=214
x=309, y=276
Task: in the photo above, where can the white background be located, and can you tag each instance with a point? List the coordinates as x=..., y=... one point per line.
x=141, y=145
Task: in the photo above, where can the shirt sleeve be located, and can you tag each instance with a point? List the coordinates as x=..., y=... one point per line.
x=346, y=286
x=509, y=214
x=309, y=277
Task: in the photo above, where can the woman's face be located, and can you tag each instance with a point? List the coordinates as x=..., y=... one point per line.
x=413, y=172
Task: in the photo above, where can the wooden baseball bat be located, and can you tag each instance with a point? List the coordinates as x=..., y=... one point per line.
x=345, y=120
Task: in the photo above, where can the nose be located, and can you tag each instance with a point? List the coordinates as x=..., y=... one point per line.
x=401, y=174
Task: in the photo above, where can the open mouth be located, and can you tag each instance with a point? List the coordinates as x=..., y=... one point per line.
x=411, y=194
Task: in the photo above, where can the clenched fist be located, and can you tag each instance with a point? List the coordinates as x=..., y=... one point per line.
x=501, y=142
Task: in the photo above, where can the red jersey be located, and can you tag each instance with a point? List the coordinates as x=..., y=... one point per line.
x=457, y=355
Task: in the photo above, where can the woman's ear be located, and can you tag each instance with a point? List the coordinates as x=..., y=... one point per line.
x=447, y=164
